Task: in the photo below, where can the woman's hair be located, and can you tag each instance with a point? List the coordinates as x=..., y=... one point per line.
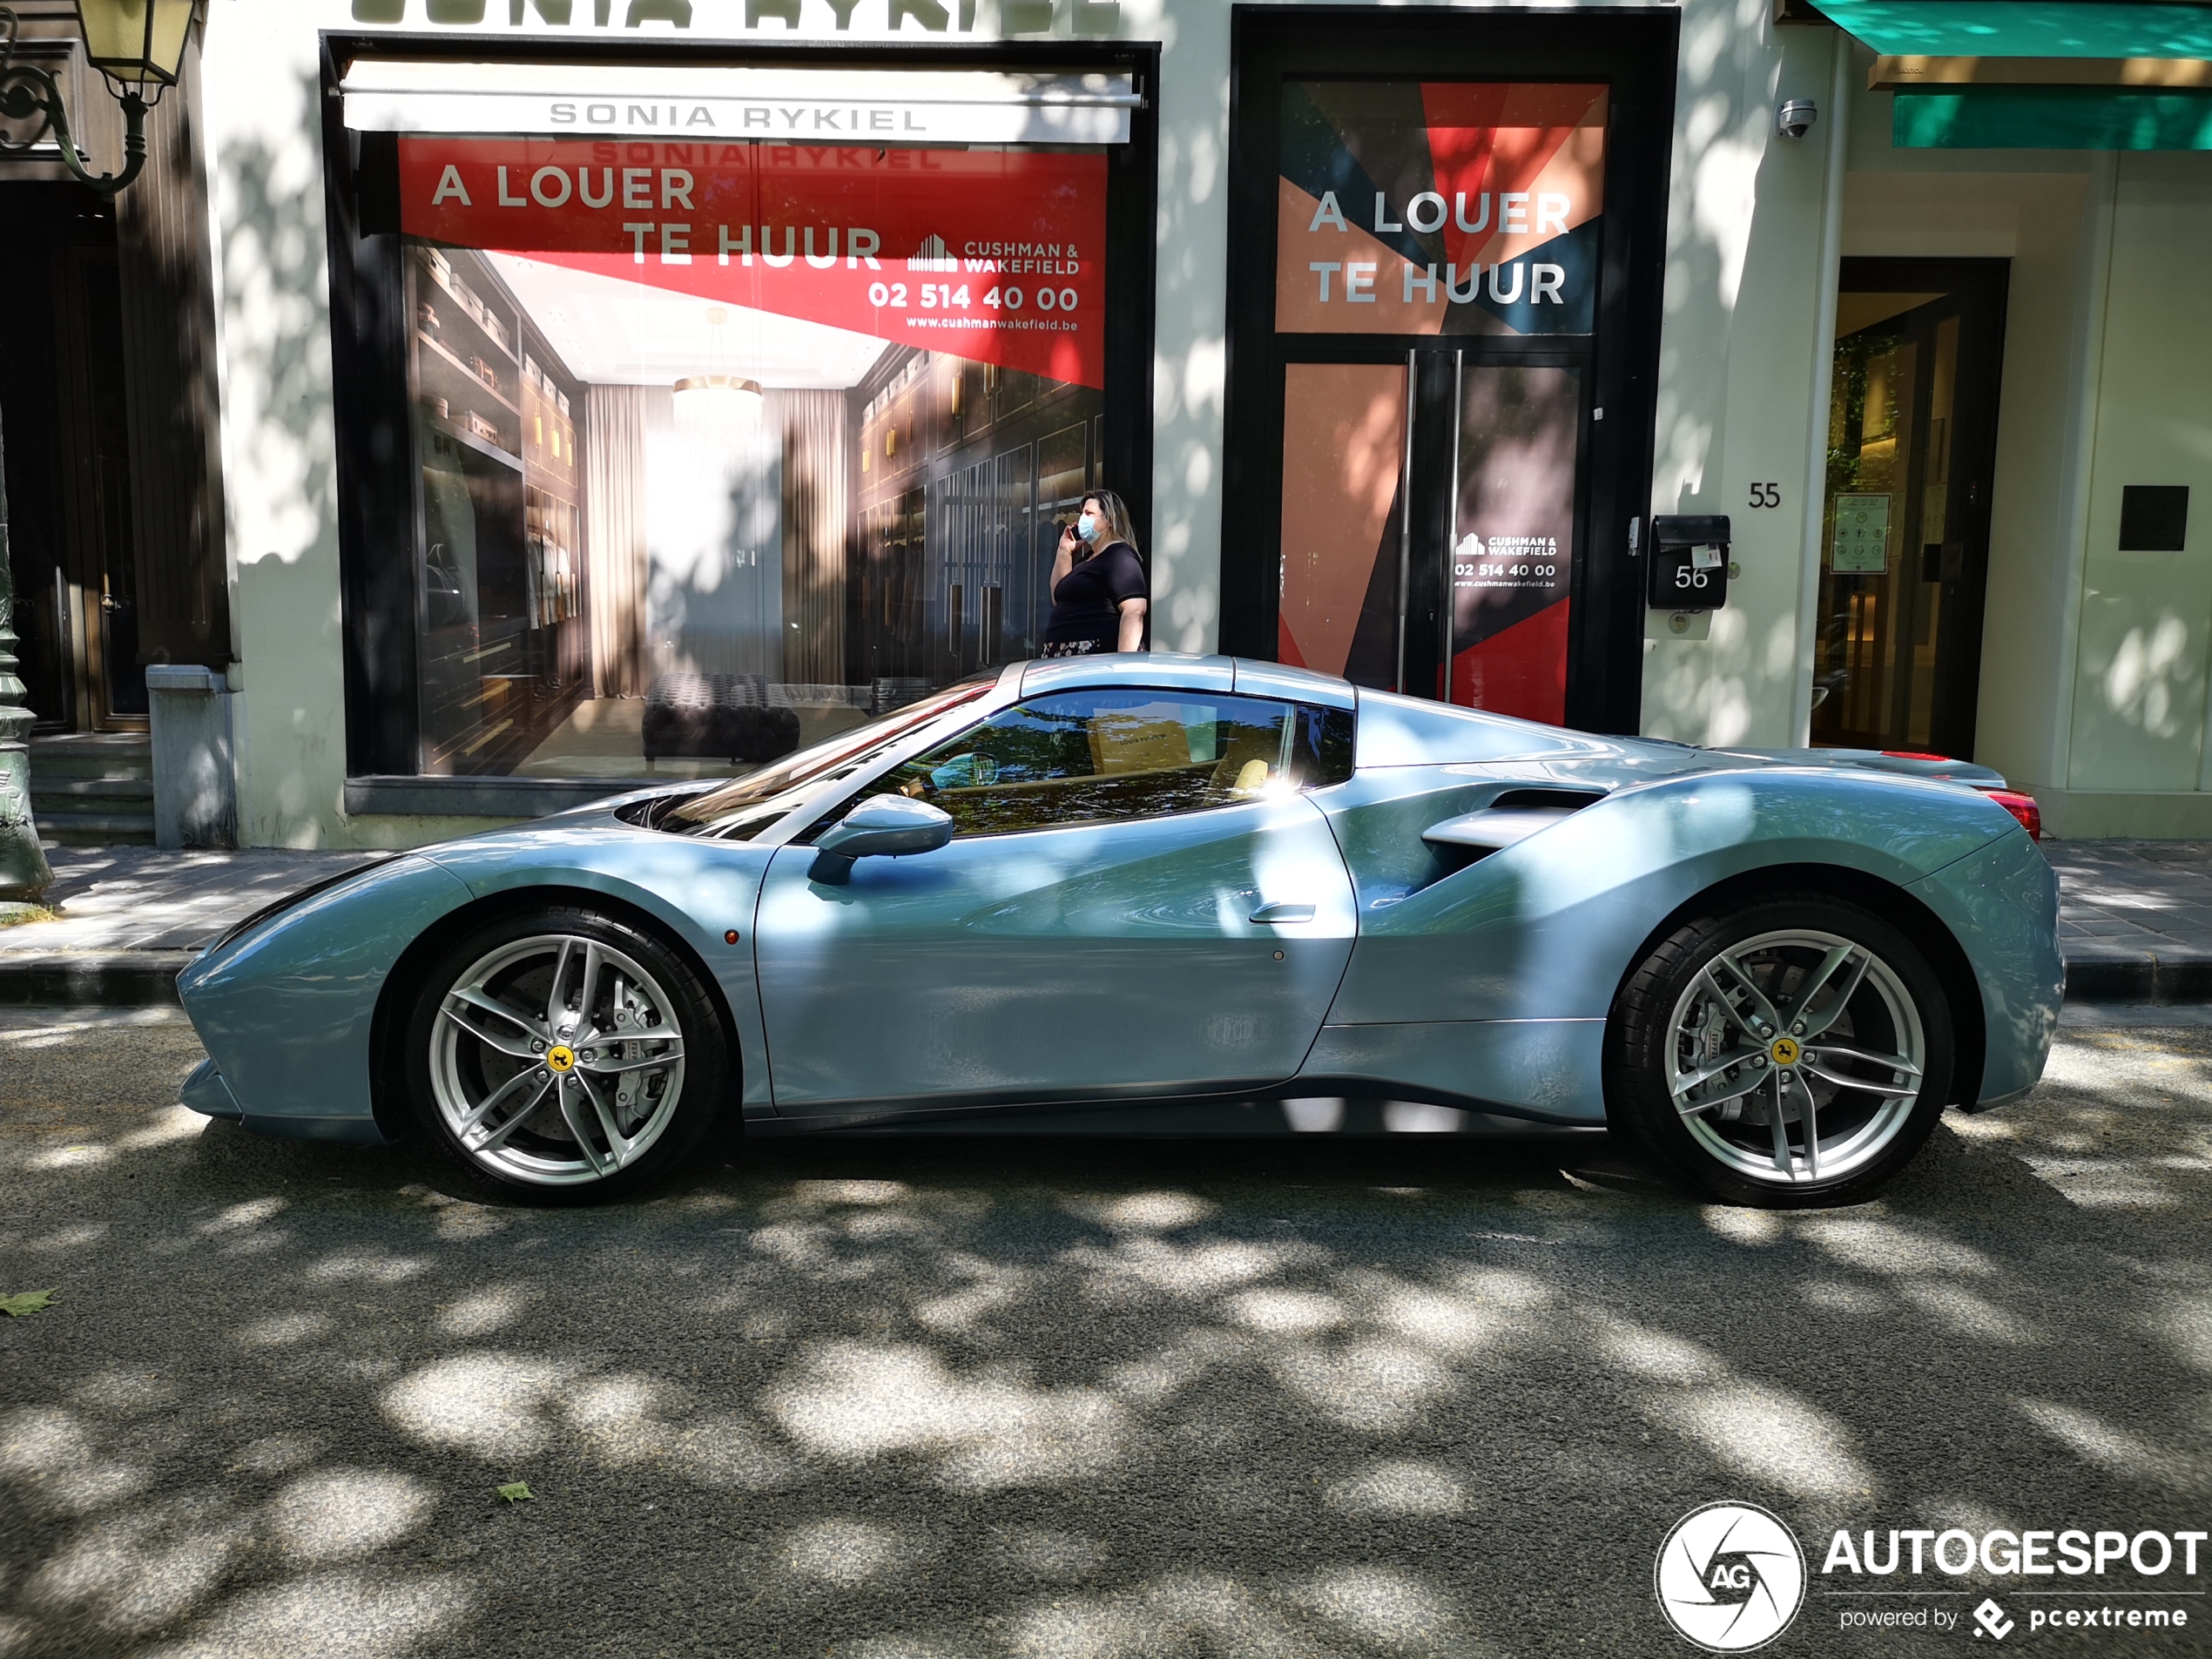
x=1115, y=512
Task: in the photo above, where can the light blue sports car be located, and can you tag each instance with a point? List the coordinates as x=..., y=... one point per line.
x=1171, y=894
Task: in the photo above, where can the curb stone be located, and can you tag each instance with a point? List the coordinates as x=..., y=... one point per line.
x=129, y=979
x=116, y=979
x=2150, y=980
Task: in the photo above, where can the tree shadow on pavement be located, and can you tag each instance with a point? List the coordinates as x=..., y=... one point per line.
x=1431, y=1394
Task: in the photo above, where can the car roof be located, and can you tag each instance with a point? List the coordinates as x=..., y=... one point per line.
x=1183, y=671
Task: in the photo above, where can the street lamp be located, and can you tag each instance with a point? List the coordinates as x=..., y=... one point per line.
x=136, y=44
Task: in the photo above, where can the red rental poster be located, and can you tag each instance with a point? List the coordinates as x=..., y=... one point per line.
x=993, y=255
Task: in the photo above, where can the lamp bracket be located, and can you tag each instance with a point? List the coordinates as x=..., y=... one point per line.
x=27, y=91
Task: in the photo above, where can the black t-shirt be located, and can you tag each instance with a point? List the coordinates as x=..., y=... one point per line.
x=1086, y=604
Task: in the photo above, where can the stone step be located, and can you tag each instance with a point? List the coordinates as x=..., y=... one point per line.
x=97, y=757
x=93, y=743
x=62, y=792
x=95, y=829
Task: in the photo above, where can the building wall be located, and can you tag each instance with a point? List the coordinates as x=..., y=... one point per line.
x=2033, y=208
x=2095, y=676
x=2138, y=761
x=1739, y=369
x=1748, y=258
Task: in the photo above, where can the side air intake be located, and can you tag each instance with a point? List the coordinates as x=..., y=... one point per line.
x=1514, y=816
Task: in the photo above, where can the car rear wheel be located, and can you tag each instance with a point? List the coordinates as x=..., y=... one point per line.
x=1793, y=1051
x=564, y=1052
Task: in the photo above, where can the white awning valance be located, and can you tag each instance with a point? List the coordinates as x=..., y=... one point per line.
x=703, y=102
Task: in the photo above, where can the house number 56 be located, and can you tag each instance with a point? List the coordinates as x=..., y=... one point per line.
x=1766, y=496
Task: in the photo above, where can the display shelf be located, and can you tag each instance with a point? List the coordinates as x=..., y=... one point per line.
x=462, y=314
x=490, y=691
x=475, y=381
x=446, y=428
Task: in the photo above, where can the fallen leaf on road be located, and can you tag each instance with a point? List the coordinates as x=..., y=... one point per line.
x=25, y=1304
x=518, y=1493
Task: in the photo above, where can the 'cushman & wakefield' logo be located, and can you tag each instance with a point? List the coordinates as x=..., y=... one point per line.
x=1730, y=1577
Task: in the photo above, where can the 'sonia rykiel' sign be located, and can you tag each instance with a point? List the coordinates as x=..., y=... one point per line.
x=879, y=18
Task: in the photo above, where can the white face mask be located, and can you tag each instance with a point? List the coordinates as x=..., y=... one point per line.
x=1087, y=527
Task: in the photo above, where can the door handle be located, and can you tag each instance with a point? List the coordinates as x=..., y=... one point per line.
x=1283, y=912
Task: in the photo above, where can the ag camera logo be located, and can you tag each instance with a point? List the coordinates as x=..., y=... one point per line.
x=1730, y=1577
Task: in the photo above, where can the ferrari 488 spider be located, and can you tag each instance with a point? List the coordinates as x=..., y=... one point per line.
x=1173, y=894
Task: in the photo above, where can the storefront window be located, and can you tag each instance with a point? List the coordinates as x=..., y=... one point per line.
x=721, y=448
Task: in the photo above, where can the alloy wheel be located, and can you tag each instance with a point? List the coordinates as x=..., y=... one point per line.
x=556, y=1060
x=1794, y=1057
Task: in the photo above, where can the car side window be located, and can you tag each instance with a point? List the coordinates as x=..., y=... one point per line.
x=1106, y=755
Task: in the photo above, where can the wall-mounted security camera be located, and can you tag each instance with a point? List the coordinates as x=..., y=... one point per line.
x=1795, y=118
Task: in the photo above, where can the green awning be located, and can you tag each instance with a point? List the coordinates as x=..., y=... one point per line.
x=2051, y=118
x=2038, y=74
x=2024, y=28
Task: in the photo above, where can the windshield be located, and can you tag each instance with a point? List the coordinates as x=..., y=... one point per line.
x=743, y=806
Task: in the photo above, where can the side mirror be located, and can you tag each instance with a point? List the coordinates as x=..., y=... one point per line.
x=882, y=825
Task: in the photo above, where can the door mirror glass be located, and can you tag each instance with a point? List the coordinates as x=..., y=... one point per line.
x=880, y=827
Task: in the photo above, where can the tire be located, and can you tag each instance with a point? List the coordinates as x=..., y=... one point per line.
x=1694, y=1069
x=534, y=1108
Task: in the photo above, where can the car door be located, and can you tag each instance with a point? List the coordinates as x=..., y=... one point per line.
x=1139, y=899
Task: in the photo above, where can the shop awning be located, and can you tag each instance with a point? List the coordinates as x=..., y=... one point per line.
x=2038, y=74
x=692, y=103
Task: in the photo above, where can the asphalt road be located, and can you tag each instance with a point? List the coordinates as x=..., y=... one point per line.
x=900, y=1401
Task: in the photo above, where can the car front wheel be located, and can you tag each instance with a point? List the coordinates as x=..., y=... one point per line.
x=1791, y=1051
x=564, y=1052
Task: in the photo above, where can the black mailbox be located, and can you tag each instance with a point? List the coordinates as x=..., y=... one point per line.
x=1689, y=560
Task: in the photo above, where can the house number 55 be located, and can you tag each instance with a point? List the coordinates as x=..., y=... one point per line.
x=1766, y=496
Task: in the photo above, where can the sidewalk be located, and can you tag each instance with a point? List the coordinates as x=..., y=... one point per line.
x=132, y=916
x=2136, y=922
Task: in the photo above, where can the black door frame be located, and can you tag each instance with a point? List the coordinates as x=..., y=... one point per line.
x=370, y=324
x=1632, y=49
x=1974, y=291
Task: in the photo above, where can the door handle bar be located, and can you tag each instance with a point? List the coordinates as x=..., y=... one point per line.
x=1273, y=913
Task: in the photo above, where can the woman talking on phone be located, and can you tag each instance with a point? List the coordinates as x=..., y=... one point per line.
x=1099, y=595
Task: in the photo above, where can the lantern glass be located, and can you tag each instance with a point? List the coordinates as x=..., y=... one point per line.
x=136, y=41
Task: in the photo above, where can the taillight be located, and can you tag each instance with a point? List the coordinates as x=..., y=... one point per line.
x=2021, y=806
x=1910, y=754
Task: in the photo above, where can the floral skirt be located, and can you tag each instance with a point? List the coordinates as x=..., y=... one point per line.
x=1074, y=647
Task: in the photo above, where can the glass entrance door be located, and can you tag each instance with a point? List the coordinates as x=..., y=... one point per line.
x=1429, y=493
x=1911, y=437
x=1448, y=233
x=1429, y=525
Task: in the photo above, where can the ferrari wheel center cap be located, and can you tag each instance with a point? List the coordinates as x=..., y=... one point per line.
x=561, y=1057
x=1785, y=1051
